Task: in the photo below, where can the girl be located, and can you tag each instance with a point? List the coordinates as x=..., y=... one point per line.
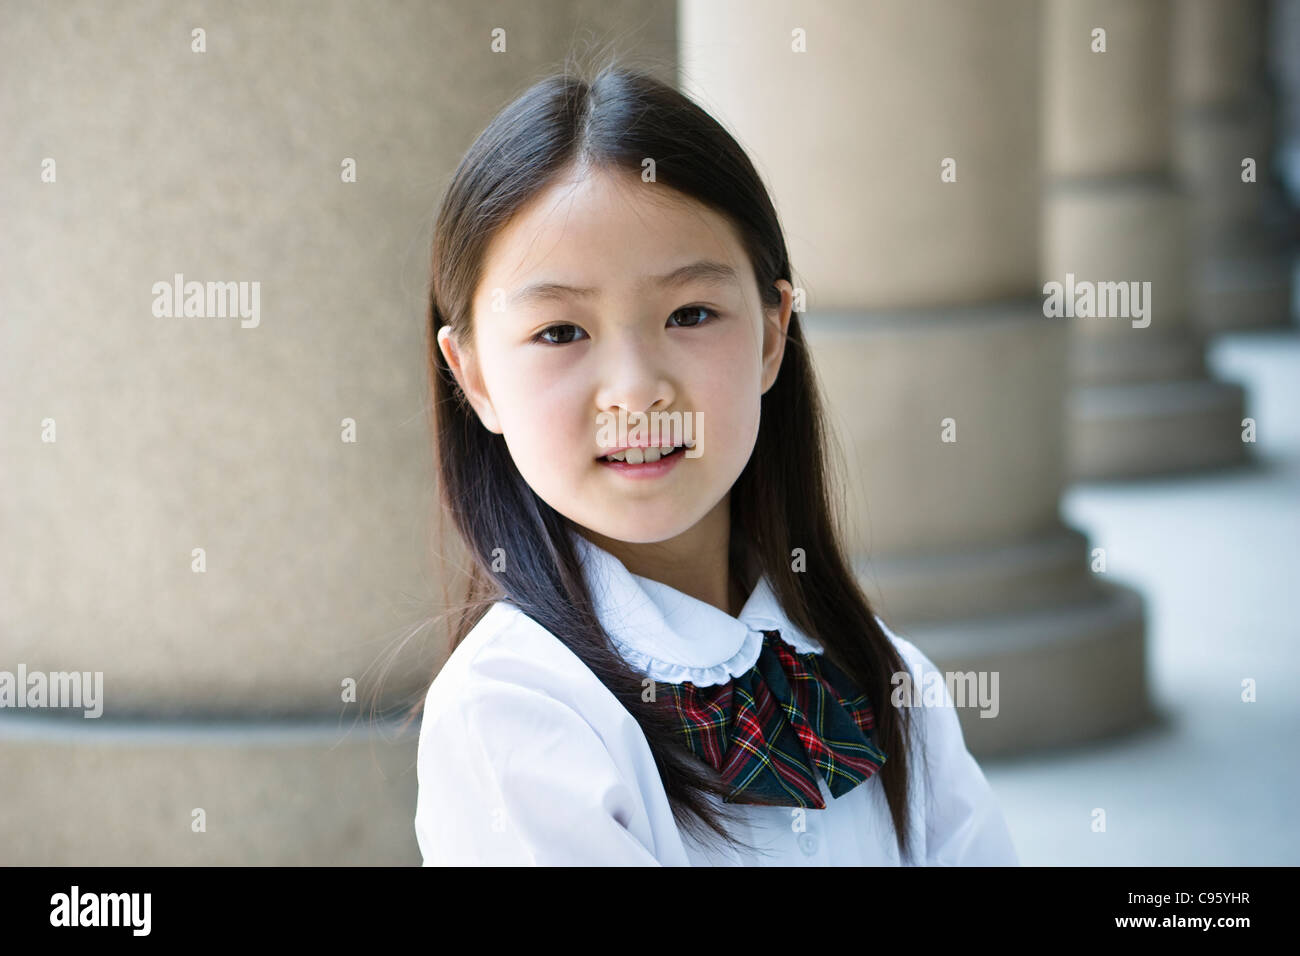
x=666, y=657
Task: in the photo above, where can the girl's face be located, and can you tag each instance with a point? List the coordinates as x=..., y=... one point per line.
x=549, y=366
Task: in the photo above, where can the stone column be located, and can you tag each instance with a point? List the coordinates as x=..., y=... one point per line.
x=1143, y=401
x=1243, y=232
x=1284, y=67
x=924, y=313
x=138, y=150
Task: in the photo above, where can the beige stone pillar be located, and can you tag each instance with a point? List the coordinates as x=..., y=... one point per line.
x=1226, y=107
x=1143, y=401
x=138, y=150
x=924, y=314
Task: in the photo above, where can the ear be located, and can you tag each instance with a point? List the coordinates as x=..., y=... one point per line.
x=469, y=378
x=776, y=320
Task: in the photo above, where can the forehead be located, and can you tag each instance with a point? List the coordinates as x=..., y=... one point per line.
x=606, y=229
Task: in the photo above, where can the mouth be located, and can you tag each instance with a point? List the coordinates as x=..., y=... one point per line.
x=635, y=457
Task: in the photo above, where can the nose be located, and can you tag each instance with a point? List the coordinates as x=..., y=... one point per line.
x=635, y=378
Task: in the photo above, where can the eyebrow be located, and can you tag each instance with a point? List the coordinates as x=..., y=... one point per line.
x=704, y=270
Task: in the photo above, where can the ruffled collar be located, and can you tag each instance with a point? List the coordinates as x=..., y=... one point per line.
x=673, y=637
x=756, y=698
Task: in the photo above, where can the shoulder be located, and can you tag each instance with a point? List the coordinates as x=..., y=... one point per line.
x=935, y=726
x=524, y=756
x=916, y=661
x=930, y=733
x=963, y=823
x=506, y=656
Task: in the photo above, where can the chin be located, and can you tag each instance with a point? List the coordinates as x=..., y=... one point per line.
x=641, y=530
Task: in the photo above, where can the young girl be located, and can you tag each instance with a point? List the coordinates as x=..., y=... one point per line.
x=667, y=658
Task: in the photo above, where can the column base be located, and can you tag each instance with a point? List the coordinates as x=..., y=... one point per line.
x=1237, y=293
x=89, y=792
x=1045, y=570
x=1153, y=428
x=1070, y=674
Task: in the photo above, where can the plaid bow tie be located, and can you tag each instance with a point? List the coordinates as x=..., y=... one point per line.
x=767, y=729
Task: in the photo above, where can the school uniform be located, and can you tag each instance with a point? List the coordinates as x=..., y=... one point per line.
x=525, y=757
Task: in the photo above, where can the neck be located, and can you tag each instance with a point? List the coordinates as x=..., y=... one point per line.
x=696, y=562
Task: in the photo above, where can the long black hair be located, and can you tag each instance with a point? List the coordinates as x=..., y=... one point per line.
x=612, y=118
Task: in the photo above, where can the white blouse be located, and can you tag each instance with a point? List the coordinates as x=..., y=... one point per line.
x=525, y=757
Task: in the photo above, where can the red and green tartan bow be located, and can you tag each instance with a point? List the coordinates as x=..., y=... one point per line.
x=767, y=729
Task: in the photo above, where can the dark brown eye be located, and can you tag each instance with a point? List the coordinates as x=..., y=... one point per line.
x=541, y=336
x=697, y=310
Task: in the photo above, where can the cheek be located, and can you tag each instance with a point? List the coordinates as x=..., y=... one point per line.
x=726, y=385
x=517, y=381
x=541, y=413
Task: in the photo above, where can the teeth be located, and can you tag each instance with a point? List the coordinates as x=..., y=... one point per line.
x=638, y=456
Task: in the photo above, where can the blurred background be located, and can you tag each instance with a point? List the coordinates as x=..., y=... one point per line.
x=232, y=520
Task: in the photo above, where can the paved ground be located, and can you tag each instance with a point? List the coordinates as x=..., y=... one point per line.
x=1217, y=557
